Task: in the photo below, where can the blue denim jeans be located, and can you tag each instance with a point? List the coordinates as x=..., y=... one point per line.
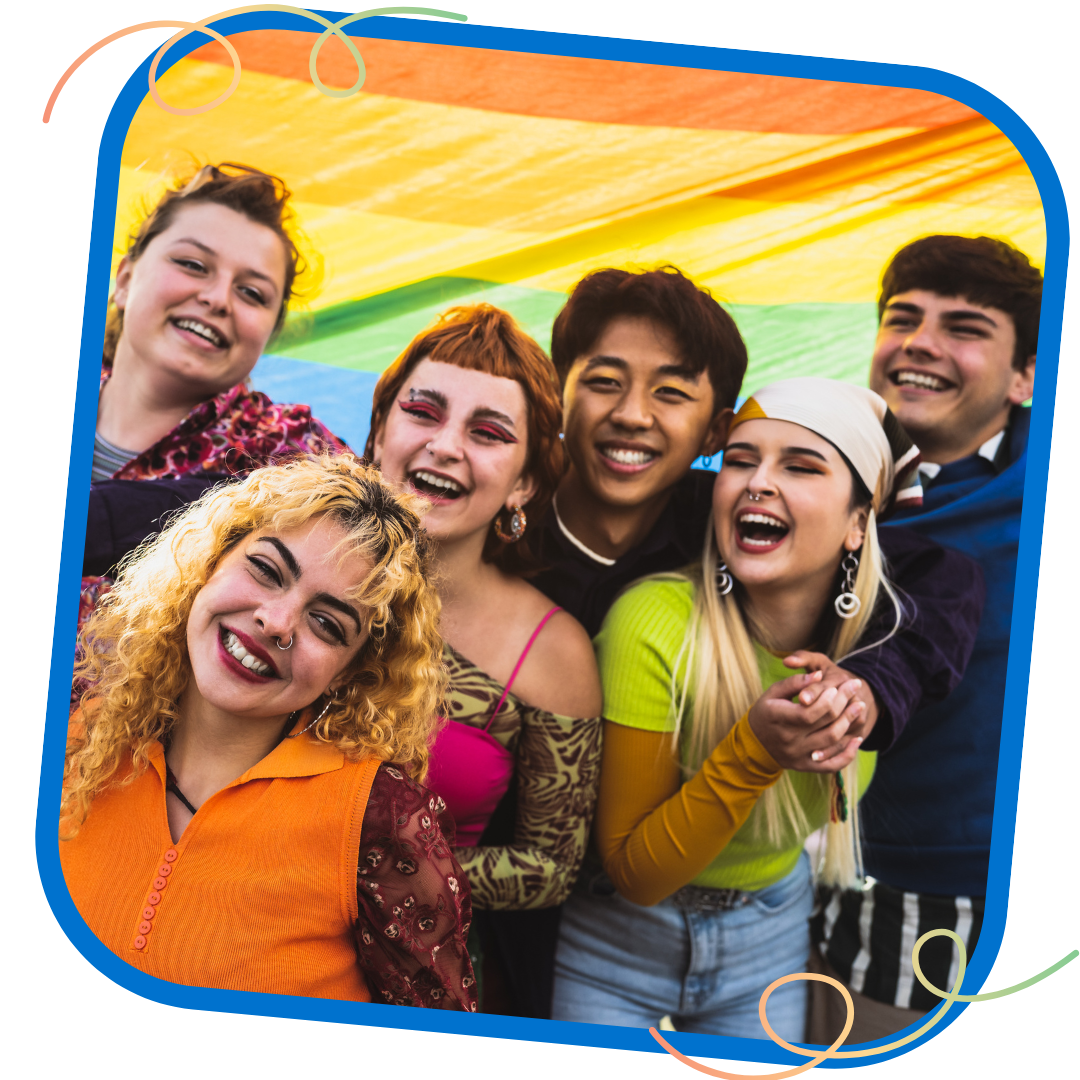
x=623, y=964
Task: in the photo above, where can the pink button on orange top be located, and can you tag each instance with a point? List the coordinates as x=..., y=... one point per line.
x=164, y=870
x=154, y=899
x=139, y=942
x=170, y=855
x=149, y=912
x=160, y=883
x=145, y=927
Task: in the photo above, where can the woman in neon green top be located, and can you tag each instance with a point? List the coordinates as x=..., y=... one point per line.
x=719, y=759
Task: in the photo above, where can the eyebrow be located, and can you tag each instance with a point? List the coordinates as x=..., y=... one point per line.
x=287, y=556
x=479, y=414
x=803, y=450
x=210, y=251
x=342, y=606
x=294, y=568
x=680, y=370
x=958, y=315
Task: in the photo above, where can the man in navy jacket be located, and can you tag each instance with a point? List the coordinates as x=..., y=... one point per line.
x=955, y=360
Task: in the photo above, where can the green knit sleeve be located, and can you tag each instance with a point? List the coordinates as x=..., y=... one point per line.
x=637, y=648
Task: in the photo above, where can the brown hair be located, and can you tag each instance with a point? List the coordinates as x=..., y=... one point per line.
x=257, y=195
x=480, y=337
x=705, y=334
x=982, y=270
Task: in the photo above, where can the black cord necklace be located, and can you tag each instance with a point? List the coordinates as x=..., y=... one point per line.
x=174, y=787
x=171, y=785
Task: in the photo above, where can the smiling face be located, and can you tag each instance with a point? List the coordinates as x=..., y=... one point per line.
x=201, y=302
x=458, y=438
x=271, y=587
x=635, y=418
x=782, y=507
x=944, y=365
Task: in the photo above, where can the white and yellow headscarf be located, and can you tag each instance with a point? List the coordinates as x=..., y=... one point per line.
x=857, y=422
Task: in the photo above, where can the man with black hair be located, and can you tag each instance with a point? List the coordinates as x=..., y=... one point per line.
x=651, y=366
x=955, y=360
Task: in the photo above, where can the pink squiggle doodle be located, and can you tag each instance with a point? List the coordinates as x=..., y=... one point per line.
x=818, y=1056
x=203, y=27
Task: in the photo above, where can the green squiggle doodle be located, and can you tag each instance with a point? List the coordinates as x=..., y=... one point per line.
x=202, y=26
x=820, y=1055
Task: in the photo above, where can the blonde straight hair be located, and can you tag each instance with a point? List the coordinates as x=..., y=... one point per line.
x=721, y=666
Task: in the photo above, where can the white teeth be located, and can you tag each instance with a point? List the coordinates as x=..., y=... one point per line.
x=202, y=330
x=627, y=457
x=915, y=378
x=235, y=649
x=759, y=543
x=438, y=481
x=763, y=519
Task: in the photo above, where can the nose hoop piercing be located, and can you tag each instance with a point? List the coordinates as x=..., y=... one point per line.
x=284, y=648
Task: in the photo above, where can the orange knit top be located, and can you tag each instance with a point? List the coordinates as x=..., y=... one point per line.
x=258, y=894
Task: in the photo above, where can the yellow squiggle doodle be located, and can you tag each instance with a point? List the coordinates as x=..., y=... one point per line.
x=203, y=27
x=818, y=1056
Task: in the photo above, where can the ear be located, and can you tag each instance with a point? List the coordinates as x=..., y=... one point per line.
x=1023, y=383
x=123, y=283
x=716, y=433
x=377, y=442
x=523, y=491
x=857, y=529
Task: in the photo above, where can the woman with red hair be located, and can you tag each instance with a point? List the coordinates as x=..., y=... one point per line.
x=469, y=417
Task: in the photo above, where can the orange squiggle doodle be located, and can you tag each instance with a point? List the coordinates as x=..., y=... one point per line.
x=203, y=27
x=818, y=1056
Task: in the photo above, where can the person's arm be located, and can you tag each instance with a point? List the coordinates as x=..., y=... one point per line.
x=413, y=899
x=557, y=771
x=942, y=592
x=655, y=833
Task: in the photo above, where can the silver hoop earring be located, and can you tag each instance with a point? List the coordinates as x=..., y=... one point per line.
x=724, y=581
x=326, y=709
x=284, y=648
x=847, y=604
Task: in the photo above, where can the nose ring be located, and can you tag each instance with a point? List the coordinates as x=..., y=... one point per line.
x=284, y=648
x=752, y=497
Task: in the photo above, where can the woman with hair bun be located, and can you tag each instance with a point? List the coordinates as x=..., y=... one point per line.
x=719, y=759
x=469, y=417
x=242, y=805
x=205, y=282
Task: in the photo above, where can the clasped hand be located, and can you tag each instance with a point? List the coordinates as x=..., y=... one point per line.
x=820, y=730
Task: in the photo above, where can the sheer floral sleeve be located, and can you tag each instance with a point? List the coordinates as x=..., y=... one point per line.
x=414, y=903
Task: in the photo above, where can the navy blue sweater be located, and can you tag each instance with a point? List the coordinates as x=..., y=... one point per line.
x=926, y=817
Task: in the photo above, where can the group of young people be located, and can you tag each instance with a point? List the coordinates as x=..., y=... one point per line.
x=517, y=710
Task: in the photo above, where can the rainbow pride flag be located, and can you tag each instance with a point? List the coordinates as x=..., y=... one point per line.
x=462, y=174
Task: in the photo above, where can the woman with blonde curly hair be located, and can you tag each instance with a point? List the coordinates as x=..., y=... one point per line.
x=242, y=803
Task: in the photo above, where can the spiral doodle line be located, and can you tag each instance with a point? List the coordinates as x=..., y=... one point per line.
x=203, y=27
x=820, y=1055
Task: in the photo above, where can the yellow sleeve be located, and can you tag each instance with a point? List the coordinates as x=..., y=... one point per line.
x=655, y=833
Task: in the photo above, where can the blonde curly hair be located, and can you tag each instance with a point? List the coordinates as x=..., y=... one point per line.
x=135, y=661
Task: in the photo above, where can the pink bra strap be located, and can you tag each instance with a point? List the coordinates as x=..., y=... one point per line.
x=521, y=660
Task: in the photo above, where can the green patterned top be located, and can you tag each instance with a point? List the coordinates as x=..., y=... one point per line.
x=557, y=769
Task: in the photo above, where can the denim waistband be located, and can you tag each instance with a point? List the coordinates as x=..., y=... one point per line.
x=689, y=897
